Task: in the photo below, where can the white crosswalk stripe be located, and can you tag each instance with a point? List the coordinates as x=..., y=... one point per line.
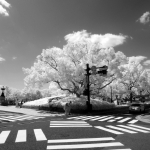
x=99, y=143
x=40, y=136
x=121, y=149
x=108, y=130
x=69, y=124
x=21, y=136
x=137, y=126
x=108, y=118
x=97, y=118
x=130, y=128
x=125, y=119
x=3, y=136
x=121, y=129
x=19, y=118
x=133, y=121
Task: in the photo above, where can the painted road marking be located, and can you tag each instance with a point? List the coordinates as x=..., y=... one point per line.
x=21, y=136
x=80, y=146
x=133, y=128
x=123, y=120
x=121, y=129
x=3, y=136
x=40, y=136
x=139, y=127
x=109, y=130
x=105, y=118
x=69, y=124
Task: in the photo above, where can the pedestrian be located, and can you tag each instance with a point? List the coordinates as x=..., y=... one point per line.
x=70, y=107
x=21, y=103
x=16, y=102
x=67, y=108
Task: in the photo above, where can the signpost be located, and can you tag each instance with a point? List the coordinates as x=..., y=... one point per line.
x=102, y=71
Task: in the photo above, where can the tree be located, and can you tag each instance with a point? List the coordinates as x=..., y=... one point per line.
x=66, y=67
x=133, y=76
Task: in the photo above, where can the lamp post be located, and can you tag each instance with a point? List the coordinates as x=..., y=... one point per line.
x=3, y=89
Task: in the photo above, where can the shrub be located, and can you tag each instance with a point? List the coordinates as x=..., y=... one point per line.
x=78, y=104
x=4, y=103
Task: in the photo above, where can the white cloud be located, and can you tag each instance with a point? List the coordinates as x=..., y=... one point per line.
x=2, y=59
x=106, y=40
x=3, y=10
x=109, y=40
x=145, y=18
x=136, y=59
x=14, y=58
x=4, y=3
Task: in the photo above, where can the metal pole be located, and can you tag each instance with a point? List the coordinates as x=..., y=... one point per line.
x=111, y=93
x=88, y=87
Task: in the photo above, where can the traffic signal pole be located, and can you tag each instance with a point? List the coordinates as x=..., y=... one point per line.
x=88, y=86
x=102, y=71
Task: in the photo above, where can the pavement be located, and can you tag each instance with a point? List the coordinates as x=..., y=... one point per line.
x=143, y=118
x=28, y=111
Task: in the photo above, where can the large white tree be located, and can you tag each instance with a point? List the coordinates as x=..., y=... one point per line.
x=66, y=66
x=134, y=76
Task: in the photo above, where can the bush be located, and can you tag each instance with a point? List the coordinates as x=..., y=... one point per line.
x=4, y=103
x=78, y=104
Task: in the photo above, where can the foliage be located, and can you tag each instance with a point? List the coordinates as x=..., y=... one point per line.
x=78, y=104
x=66, y=66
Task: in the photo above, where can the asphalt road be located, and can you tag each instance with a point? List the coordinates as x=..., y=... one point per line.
x=102, y=132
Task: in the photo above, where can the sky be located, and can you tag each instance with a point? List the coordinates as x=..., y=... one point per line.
x=29, y=26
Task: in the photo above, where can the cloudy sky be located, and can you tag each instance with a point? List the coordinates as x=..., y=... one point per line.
x=28, y=26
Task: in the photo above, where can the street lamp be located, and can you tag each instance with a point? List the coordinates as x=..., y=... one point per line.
x=3, y=89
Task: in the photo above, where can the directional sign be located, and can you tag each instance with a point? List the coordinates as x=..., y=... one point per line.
x=103, y=68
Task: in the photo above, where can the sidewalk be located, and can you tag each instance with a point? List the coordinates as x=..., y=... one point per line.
x=27, y=111
x=144, y=118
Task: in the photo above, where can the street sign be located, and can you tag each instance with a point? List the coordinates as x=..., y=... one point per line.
x=103, y=68
x=93, y=68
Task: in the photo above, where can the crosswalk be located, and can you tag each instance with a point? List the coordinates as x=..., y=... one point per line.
x=108, y=118
x=13, y=118
x=69, y=124
x=21, y=136
x=104, y=142
x=59, y=144
x=122, y=129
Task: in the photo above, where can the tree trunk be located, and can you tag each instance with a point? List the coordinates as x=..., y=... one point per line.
x=131, y=97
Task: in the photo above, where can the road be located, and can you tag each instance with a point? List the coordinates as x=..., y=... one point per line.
x=105, y=132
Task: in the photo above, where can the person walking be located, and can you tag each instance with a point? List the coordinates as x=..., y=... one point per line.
x=21, y=103
x=67, y=108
